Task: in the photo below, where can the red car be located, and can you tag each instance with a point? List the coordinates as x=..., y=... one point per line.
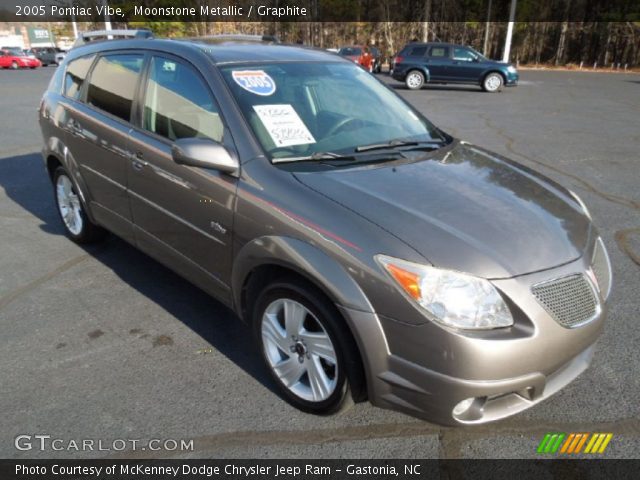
x=360, y=55
x=16, y=58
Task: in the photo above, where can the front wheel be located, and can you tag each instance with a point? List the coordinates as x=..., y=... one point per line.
x=14, y=65
x=307, y=349
x=76, y=223
x=414, y=80
x=492, y=83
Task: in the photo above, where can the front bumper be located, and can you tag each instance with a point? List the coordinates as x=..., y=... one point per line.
x=426, y=370
x=512, y=79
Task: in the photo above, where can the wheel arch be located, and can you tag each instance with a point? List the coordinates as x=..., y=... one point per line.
x=422, y=69
x=56, y=154
x=269, y=258
x=493, y=70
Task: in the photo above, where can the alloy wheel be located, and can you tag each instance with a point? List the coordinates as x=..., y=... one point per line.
x=414, y=80
x=69, y=205
x=299, y=350
x=493, y=83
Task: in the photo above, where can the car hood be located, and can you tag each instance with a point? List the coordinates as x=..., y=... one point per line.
x=465, y=209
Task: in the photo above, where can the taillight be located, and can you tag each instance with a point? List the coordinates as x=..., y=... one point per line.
x=398, y=59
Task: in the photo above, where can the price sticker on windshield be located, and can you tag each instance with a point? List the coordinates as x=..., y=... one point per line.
x=255, y=81
x=284, y=125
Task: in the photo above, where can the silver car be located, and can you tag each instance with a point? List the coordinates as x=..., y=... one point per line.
x=373, y=255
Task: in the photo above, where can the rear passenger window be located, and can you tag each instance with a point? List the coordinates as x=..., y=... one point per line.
x=439, y=52
x=418, y=51
x=75, y=75
x=113, y=83
x=178, y=104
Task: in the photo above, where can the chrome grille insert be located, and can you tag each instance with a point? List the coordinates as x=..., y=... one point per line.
x=601, y=268
x=571, y=300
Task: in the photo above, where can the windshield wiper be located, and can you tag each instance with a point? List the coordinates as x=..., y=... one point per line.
x=400, y=143
x=315, y=157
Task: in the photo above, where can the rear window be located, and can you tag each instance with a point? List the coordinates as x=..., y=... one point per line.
x=113, y=84
x=439, y=52
x=75, y=76
x=350, y=51
x=417, y=51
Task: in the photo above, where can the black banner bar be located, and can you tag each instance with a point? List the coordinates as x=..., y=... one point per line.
x=320, y=10
x=317, y=469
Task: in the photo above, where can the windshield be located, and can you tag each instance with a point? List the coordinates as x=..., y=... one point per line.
x=16, y=52
x=301, y=109
x=350, y=51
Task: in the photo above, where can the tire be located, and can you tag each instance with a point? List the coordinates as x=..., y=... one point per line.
x=493, y=82
x=14, y=65
x=414, y=80
x=77, y=225
x=316, y=328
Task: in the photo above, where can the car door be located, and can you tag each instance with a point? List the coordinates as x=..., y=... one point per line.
x=438, y=63
x=465, y=66
x=183, y=215
x=97, y=132
x=4, y=59
x=414, y=56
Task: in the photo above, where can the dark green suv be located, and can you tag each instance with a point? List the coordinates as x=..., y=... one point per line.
x=419, y=63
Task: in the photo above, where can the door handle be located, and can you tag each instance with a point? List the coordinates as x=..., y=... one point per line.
x=138, y=161
x=74, y=127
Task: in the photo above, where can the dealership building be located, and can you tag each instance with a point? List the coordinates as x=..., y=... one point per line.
x=23, y=36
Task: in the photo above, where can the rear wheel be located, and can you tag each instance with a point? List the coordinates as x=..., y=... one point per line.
x=414, y=80
x=492, y=82
x=312, y=359
x=76, y=223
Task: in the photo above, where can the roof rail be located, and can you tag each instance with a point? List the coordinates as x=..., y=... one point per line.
x=234, y=38
x=102, y=35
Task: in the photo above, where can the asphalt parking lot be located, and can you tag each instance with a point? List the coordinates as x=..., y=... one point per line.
x=105, y=343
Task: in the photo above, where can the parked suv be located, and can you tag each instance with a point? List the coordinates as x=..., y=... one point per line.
x=420, y=63
x=47, y=55
x=372, y=254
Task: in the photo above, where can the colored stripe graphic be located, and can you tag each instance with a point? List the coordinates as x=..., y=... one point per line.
x=551, y=442
x=573, y=443
x=598, y=443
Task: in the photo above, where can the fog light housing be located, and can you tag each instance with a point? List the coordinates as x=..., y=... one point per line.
x=462, y=407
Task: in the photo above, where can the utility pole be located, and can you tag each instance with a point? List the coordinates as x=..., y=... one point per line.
x=486, y=31
x=507, y=42
x=107, y=18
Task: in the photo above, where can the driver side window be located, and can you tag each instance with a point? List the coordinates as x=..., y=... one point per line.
x=178, y=104
x=463, y=54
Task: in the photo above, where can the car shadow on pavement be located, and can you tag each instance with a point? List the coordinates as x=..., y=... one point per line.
x=25, y=182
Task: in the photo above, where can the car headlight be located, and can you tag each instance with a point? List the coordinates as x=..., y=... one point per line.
x=454, y=299
x=511, y=69
x=581, y=203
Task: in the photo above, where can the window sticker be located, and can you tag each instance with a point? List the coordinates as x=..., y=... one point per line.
x=284, y=125
x=255, y=81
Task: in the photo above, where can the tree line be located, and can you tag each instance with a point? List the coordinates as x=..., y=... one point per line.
x=558, y=43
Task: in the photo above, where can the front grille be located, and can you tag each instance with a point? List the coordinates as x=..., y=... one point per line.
x=601, y=268
x=570, y=300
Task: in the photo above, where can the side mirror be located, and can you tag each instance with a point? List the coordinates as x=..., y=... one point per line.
x=201, y=152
